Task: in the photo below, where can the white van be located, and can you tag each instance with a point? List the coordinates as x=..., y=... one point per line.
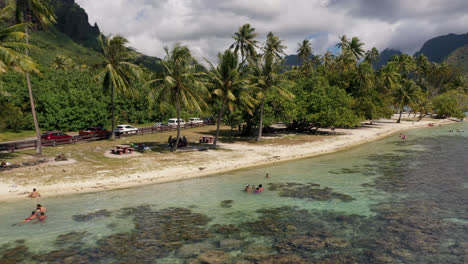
x=173, y=122
x=195, y=120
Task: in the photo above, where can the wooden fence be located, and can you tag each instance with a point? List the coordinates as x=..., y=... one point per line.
x=28, y=144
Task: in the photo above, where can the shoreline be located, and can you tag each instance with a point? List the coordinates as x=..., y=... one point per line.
x=237, y=156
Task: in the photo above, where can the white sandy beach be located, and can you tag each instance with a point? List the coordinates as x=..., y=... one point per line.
x=197, y=164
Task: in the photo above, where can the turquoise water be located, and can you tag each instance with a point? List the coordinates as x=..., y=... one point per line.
x=384, y=202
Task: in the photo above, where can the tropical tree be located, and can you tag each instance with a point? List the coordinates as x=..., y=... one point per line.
x=62, y=62
x=355, y=48
x=230, y=86
x=117, y=72
x=12, y=47
x=304, y=51
x=404, y=95
x=27, y=12
x=389, y=77
x=371, y=55
x=268, y=77
x=245, y=42
x=180, y=85
x=273, y=49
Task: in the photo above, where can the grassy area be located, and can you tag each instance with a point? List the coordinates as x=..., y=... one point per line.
x=10, y=135
x=93, y=164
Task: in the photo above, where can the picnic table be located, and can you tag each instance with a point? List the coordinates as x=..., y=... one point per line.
x=206, y=139
x=122, y=149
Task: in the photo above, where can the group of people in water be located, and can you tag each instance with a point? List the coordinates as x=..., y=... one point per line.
x=253, y=189
x=458, y=131
x=38, y=214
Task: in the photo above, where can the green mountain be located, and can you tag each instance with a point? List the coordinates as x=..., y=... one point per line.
x=439, y=48
x=459, y=59
x=384, y=57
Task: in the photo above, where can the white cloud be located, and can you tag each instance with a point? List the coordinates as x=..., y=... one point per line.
x=206, y=26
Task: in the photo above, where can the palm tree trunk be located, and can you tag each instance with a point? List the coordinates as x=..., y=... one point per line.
x=401, y=112
x=174, y=147
x=113, y=113
x=33, y=106
x=218, y=123
x=259, y=137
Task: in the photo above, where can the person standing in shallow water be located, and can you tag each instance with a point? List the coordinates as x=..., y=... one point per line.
x=267, y=176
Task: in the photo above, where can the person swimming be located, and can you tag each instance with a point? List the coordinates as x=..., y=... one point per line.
x=29, y=219
x=260, y=187
x=247, y=188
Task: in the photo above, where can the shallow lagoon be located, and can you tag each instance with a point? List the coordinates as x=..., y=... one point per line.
x=384, y=202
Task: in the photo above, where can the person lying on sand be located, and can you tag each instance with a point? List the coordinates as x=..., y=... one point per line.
x=34, y=194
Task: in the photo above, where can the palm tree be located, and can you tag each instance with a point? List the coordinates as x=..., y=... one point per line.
x=389, y=77
x=245, y=42
x=304, y=51
x=268, y=78
x=404, y=95
x=12, y=47
x=363, y=77
x=371, y=55
x=180, y=83
x=62, y=62
x=405, y=64
x=355, y=48
x=343, y=44
x=229, y=85
x=273, y=48
x=41, y=12
x=117, y=72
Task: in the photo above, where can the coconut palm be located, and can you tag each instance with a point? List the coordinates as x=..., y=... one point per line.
x=12, y=47
x=404, y=94
x=389, y=77
x=304, y=51
x=117, y=72
x=29, y=11
x=180, y=84
x=363, y=77
x=355, y=48
x=268, y=78
x=405, y=64
x=371, y=55
x=230, y=86
x=62, y=62
x=273, y=48
x=245, y=42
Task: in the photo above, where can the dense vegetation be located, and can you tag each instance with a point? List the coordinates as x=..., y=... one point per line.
x=249, y=87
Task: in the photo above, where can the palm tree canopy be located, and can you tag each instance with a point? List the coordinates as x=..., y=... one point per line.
x=227, y=83
x=180, y=80
x=355, y=47
x=13, y=50
x=117, y=72
x=34, y=10
x=245, y=42
x=273, y=48
x=371, y=55
x=305, y=50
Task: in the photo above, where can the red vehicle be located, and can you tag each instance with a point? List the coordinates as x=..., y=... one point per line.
x=95, y=131
x=56, y=137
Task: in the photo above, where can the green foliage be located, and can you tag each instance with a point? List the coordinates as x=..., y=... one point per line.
x=452, y=103
x=324, y=105
x=65, y=100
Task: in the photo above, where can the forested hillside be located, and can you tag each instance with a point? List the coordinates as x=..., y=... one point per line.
x=459, y=59
x=439, y=48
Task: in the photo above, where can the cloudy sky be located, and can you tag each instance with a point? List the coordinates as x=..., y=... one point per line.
x=207, y=26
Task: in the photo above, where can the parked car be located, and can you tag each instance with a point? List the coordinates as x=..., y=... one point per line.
x=126, y=129
x=159, y=124
x=195, y=120
x=95, y=131
x=173, y=122
x=56, y=136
